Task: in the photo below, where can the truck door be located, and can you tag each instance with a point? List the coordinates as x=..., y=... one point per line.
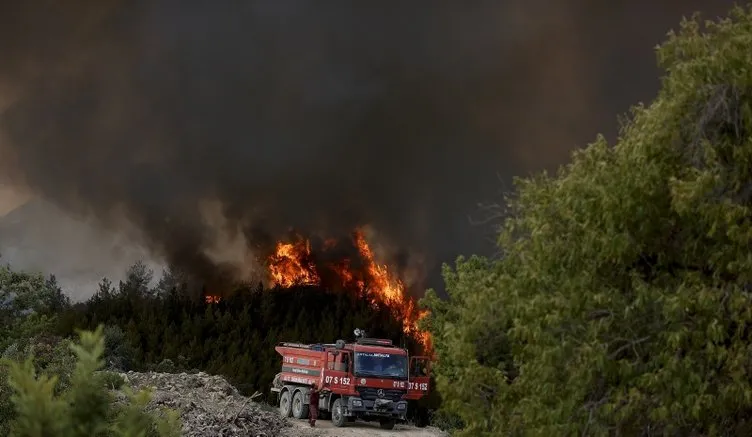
x=420, y=376
x=337, y=376
x=331, y=359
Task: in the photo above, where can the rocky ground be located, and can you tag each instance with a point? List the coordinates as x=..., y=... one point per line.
x=325, y=428
x=210, y=407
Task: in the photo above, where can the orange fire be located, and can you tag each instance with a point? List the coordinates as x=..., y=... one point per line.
x=212, y=299
x=291, y=264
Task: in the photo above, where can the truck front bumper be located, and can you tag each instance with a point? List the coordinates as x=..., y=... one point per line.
x=378, y=407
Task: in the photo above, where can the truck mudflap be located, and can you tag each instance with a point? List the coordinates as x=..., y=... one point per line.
x=357, y=407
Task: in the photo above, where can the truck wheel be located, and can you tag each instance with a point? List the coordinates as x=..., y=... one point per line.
x=299, y=408
x=387, y=423
x=338, y=419
x=284, y=404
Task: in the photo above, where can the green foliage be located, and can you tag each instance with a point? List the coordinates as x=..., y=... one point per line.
x=118, y=353
x=6, y=406
x=469, y=371
x=48, y=354
x=112, y=380
x=622, y=302
x=171, y=331
x=447, y=420
x=166, y=366
x=28, y=304
x=86, y=408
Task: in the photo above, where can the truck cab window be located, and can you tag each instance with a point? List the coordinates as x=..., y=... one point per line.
x=419, y=367
x=381, y=365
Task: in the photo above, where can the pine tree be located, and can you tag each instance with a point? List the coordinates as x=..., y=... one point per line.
x=86, y=408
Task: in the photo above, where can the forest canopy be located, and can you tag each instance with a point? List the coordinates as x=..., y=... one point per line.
x=621, y=302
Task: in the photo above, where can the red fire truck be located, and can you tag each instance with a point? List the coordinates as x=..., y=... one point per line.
x=369, y=379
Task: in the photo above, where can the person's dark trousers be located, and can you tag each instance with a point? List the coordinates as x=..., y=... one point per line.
x=313, y=414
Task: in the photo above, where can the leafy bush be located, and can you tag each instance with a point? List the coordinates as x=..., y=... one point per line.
x=84, y=409
x=622, y=302
x=446, y=420
x=6, y=406
x=49, y=354
x=118, y=353
x=112, y=380
x=28, y=303
x=166, y=366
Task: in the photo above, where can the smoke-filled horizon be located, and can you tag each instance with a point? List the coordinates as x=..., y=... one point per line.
x=188, y=118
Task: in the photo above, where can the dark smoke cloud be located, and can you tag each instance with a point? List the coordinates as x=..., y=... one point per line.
x=318, y=115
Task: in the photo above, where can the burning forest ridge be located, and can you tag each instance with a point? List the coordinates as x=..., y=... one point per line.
x=344, y=265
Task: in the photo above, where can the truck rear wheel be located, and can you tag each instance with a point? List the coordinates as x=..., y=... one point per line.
x=285, y=406
x=299, y=408
x=338, y=419
x=387, y=423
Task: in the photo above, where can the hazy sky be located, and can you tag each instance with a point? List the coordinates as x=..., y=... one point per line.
x=9, y=199
x=207, y=122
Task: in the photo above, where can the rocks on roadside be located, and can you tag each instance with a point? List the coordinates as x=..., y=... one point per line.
x=208, y=405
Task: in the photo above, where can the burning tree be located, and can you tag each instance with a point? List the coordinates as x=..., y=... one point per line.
x=294, y=263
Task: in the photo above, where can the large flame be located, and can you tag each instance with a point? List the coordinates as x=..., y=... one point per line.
x=291, y=264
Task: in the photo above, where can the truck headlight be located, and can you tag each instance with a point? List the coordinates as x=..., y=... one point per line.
x=357, y=403
x=401, y=406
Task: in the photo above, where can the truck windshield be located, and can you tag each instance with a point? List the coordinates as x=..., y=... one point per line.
x=380, y=364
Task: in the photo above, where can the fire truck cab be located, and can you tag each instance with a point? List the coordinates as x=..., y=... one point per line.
x=369, y=379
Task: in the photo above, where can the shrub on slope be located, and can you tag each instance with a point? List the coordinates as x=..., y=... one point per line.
x=86, y=408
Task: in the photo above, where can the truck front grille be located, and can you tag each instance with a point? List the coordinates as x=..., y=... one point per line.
x=371, y=394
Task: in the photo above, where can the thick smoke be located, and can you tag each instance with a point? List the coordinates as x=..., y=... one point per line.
x=209, y=123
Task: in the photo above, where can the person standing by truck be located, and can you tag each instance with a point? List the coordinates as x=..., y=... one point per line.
x=313, y=406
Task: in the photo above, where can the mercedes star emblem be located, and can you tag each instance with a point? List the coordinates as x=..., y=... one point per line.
x=380, y=393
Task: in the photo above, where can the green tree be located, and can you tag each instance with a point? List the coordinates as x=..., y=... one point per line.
x=137, y=280
x=86, y=408
x=175, y=331
x=28, y=305
x=621, y=302
x=118, y=353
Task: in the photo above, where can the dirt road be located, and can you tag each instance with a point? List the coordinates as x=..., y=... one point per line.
x=324, y=428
